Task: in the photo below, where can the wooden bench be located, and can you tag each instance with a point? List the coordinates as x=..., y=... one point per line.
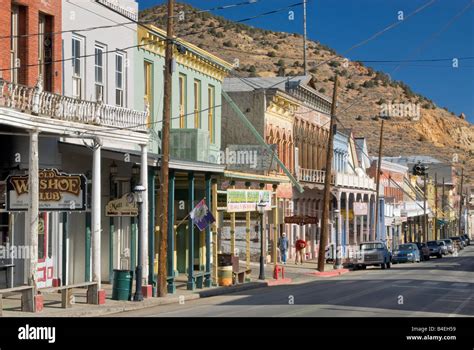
x=200, y=277
x=239, y=276
x=67, y=293
x=27, y=297
x=238, y=273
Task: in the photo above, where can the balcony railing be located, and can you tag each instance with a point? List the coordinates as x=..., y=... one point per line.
x=354, y=181
x=339, y=179
x=312, y=175
x=46, y=104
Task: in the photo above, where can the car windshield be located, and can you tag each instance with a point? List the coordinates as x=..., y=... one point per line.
x=405, y=247
x=367, y=246
x=432, y=243
x=441, y=243
x=448, y=241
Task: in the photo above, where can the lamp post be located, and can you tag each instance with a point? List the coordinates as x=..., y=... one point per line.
x=261, y=209
x=138, y=190
x=337, y=264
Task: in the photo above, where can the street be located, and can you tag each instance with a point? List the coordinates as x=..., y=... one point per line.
x=439, y=287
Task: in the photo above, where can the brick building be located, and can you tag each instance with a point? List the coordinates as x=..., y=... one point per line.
x=26, y=48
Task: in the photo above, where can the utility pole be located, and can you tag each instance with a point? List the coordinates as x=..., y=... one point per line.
x=377, y=180
x=461, y=201
x=443, y=209
x=435, y=226
x=165, y=139
x=304, y=37
x=425, y=217
x=327, y=183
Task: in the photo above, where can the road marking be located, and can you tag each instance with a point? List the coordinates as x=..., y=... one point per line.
x=458, y=284
x=429, y=287
x=460, y=307
x=430, y=283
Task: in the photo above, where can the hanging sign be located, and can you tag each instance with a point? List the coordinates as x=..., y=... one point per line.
x=301, y=220
x=360, y=208
x=247, y=200
x=57, y=191
x=125, y=206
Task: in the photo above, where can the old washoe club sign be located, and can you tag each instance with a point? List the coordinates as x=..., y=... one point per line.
x=57, y=191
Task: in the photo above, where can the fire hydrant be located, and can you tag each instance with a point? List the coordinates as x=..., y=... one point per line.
x=276, y=271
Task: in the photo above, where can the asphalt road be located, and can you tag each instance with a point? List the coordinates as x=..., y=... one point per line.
x=439, y=287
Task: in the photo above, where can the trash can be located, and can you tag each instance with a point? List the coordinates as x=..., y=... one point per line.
x=122, y=285
x=224, y=270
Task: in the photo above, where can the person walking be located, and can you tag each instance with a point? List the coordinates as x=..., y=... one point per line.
x=300, y=245
x=283, y=245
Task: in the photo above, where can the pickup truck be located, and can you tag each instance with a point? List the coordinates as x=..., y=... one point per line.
x=373, y=253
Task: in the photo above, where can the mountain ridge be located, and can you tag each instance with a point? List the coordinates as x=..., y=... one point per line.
x=363, y=92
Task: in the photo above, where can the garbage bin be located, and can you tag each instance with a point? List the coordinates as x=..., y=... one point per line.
x=122, y=285
x=224, y=270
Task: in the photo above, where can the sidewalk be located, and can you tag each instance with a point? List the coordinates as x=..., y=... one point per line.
x=294, y=274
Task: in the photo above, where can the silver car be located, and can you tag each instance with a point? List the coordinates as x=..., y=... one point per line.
x=450, y=245
x=443, y=246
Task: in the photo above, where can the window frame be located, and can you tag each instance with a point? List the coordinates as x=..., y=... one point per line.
x=182, y=97
x=103, y=67
x=197, y=93
x=121, y=89
x=211, y=100
x=77, y=78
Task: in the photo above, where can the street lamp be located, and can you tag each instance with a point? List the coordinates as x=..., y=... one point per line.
x=337, y=264
x=138, y=190
x=261, y=209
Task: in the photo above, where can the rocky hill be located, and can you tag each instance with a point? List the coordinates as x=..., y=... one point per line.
x=363, y=92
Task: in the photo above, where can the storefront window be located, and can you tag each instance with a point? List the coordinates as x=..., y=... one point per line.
x=42, y=222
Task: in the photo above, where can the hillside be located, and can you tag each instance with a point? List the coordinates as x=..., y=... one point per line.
x=438, y=132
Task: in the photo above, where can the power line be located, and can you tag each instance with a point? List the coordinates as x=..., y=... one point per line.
x=217, y=8
x=263, y=14
x=434, y=35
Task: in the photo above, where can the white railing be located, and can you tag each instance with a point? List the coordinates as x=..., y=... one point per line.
x=354, y=181
x=46, y=104
x=312, y=175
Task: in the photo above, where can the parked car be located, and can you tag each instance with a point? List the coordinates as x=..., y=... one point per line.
x=444, y=247
x=373, y=253
x=459, y=244
x=468, y=240
x=424, y=251
x=435, y=249
x=464, y=240
x=450, y=244
x=405, y=253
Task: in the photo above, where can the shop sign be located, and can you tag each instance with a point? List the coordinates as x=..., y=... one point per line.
x=57, y=191
x=360, y=208
x=247, y=200
x=301, y=220
x=124, y=206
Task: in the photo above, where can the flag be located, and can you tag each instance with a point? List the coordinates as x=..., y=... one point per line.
x=202, y=216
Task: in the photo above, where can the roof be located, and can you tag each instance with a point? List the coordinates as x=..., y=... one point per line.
x=438, y=167
x=251, y=84
x=407, y=160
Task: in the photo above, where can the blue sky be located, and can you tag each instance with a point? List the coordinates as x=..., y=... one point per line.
x=434, y=32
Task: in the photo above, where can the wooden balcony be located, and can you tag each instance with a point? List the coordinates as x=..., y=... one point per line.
x=338, y=179
x=35, y=101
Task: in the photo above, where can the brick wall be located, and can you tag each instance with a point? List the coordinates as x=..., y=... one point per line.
x=29, y=11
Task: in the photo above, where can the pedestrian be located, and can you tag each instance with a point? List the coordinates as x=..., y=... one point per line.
x=283, y=245
x=300, y=245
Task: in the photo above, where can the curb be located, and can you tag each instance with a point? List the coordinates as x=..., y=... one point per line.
x=333, y=273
